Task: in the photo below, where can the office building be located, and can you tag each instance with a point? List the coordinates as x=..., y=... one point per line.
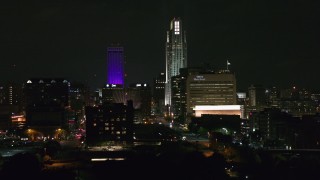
x=110, y=122
x=211, y=89
x=115, y=65
x=113, y=93
x=46, y=101
x=176, y=54
x=158, y=94
x=257, y=96
x=45, y=91
x=140, y=94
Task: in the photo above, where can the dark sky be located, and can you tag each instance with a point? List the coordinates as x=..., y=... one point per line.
x=268, y=42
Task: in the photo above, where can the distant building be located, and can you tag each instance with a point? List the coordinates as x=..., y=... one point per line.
x=273, y=96
x=140, y=94
x=257, y=96
x=45, y=91
x=276, y=128
x=179, y=92
x=176, y=54
x=79, y=97
x=241, y=98
x=115, y=65
x=158, y=94
x=11, y=104
x=111, y=122
x=113, y=93
x=10, y=94
x=211, y=89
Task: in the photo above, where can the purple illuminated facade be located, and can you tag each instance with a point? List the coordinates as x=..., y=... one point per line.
x=115, y=65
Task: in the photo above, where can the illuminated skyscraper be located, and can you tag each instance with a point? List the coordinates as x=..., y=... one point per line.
x=176, y=54
x=115, y=65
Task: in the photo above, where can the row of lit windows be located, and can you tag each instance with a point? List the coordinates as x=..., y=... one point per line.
x=212, y=94
x=114, y=132
x=202, y=90
x=117, y=119
x=210, y=85
x=195, y=98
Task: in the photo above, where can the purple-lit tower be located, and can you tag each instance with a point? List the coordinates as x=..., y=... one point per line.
x=115, y=65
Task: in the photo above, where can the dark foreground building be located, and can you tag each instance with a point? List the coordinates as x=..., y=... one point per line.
x=45, y=103
x=109, y=123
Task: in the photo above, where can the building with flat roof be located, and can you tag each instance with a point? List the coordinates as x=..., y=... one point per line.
x=210, y=89
x=110, y=122
x=115, y=65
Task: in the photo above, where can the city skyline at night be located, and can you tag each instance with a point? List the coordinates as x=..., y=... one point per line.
x=267, y=42
x=165, y=89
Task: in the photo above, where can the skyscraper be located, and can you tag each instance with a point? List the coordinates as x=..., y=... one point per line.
x=115, y=65
x=176, y=54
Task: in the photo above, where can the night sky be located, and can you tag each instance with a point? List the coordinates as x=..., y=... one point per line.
x=271, y=42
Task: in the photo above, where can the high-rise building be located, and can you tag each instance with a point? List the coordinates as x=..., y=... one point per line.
x=178, y=90
x=158, y=94
x=257, y=96
x=176, y=54
x=115, y=65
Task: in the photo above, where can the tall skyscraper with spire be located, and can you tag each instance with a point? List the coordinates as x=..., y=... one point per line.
x=176, y=54
x=115, y=65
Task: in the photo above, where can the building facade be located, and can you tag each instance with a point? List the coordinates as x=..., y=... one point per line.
x=158, y=94
x=211, y=89
x=115, y=65
x=46, y=102
x=110, y=122
x=176, y=54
